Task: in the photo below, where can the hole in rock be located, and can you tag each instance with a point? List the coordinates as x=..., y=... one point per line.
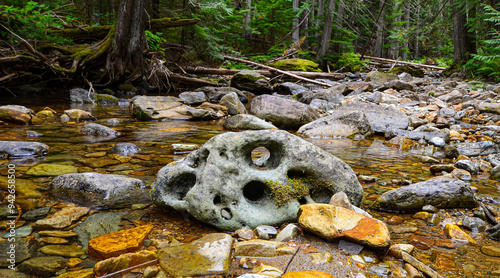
x=217, y=200
x=180, y=185
x=302, y=201
x=260, y=156
x=226, y=214
x=254, y=191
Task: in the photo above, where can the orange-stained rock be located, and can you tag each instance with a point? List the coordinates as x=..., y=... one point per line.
x=117, y=243
x=454, y=232
x=84, y=273
x=332, y=222
x=307, y=274
x=14, y=116
x=122, y=262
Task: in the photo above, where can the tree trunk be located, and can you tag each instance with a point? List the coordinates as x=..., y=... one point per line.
x=339, y=24
x=248, y=19
x=129, y=42
x=327, y=32
x=459, y=35
x=295, y=22
x=155, y=5
x=406, y=46
x=417, y=29
x=319, y=20
x=379, y=39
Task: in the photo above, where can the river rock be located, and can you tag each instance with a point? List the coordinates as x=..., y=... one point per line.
x=468, y=165
x=78, y=115
x=55, y=233
x=331, y=222
x=193, y=98
x=439, y=192
x=71, y=251
x=379, y=78
x=219, y=184
x=215, y=94
x=13, y=273
x=398, y=85
x=307, y=274
x=125, y=149
x=288, y=233
x=209, y=255
x=36, y=214
x=251, y=81
x=79, y=95
x=20, y=149
x=25, y=248
x=43, y=266
x=322, y=105
x=382, y=119
x=245, y=122
x=84, y=273
x=233, y=104
x=451, y=97
x=61, y=219
x=51, y=170
x=116, y=243
x=261, y=248
x=290, y=88
x=454, y=232
x=99, y=190
x=478, y=148
x=123, y=262
x=94, y=132
x=168, y=108
x=495, y=173
x=491, y=250
x=14, y=116
x=334, y=95
x=96, y=225
x=341, y=123
x=22, y=231
x=283, y=113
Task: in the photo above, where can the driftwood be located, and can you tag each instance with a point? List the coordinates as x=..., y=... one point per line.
x=404, y=63
x=267, y=73
x=192, y=81
x=279, y=71
x=100, y=32
x=420, y=266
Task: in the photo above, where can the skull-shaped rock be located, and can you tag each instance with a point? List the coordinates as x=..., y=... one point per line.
x=221, y=185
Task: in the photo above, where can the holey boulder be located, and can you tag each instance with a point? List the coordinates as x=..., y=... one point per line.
x=220, y=184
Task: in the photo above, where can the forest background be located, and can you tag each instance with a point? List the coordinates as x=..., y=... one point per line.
x=463, y=35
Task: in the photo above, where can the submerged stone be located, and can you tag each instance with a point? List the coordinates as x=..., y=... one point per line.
x=113, y=244
x=71, y=251
x=123, y=262
x=19, y=149
x=62, y=218
x=94, y=226
x=246, y=122
x=261, y=248
x=439, y=192
x=25, y=248
x=99, y=190
x=51, y=170
x=209, y=255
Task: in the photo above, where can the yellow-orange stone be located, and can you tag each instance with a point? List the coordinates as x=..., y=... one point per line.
x=454, y=232
x=114, y=244
x=307, y=274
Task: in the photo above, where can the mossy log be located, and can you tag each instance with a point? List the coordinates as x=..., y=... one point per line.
x=102, y=31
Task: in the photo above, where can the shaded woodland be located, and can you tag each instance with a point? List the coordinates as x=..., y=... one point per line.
x=107, y=42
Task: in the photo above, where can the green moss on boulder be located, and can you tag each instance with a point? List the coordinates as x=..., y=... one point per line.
x=296, y=65
x=415, y=72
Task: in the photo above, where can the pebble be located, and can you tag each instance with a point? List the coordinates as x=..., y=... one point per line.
x=265, y=232
x=288, y=233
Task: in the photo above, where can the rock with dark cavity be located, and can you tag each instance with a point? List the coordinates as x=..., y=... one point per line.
x=283, y=113
x=439, y=192
x=99, y=190
x=21, y=149
x=221, y=185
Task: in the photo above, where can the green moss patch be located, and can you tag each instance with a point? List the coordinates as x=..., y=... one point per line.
x=296, y=65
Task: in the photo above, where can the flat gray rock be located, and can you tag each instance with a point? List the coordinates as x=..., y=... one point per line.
x=21, y=149
x=439, y=192
x=247, y=122
x=340, y=124
x=99, y=190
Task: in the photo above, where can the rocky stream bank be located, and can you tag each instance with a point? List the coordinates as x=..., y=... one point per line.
x=379, y=175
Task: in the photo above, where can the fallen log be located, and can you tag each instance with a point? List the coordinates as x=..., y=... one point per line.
x=192, y=81
x=100, y=32
x=267, y=73
x=404, y=63
x=279, y=71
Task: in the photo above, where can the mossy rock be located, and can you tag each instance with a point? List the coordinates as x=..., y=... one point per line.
x=296, y=65
x=108, y=91
x=128, y=88
x=105, y=98
x=415, y=72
